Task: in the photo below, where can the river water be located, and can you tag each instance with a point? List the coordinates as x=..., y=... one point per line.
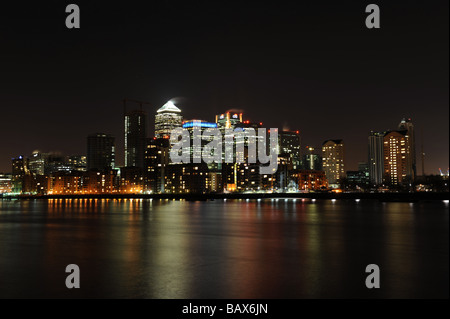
x=282, y=248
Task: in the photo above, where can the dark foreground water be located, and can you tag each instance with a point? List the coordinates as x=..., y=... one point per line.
x=223, y=249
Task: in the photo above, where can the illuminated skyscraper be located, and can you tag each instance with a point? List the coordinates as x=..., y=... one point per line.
x=167, y=118
x=135, y=135
x=100, y=152
x=289, y=146
x=228, y=120
x=407, y=125
x=37, y=162
x=396, y=152
x=333, y=160
x=196, y=129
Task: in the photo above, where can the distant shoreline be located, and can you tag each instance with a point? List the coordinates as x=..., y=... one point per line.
x=384, y=197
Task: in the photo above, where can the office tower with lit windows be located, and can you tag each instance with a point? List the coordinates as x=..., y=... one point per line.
x=311, y=160
x=249, y=131
x=78, y=162
x=396, y=150
x=289, y=147
x=228, y=120
x=100, y=152
x=359, y=179
x=333, y=161
x=200, y=176
x=407, y=126
x=196, y=128
x=376, y=158
x=37, y=162
x=167, y=118
x=56, y=162
x=242, y=176
x=135, y=137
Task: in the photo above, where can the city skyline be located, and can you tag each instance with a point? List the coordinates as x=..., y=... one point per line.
x=164, y=164
x=279, y=63
x=218, y=158
x=120, y=158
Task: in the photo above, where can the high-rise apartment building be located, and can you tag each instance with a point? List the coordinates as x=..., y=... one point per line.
x=396, y=153
x=155, y=164
x=333, y=161
x=407, y=126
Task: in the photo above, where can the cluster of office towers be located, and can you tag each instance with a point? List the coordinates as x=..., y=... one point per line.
x=391, y=157
x=148, y=168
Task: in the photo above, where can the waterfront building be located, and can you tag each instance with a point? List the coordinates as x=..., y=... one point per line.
x=188, y=178
x=397, y=168
x=155, y=164
x=407, y=126
x=333, y=161
x=5, y=183
x=311, y=180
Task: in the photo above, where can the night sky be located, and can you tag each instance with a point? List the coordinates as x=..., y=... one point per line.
x=315, y=68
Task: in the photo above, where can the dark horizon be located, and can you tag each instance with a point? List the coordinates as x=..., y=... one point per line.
x=313, y=68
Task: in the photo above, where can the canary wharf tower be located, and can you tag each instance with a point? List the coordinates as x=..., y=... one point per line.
x=167, y=118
